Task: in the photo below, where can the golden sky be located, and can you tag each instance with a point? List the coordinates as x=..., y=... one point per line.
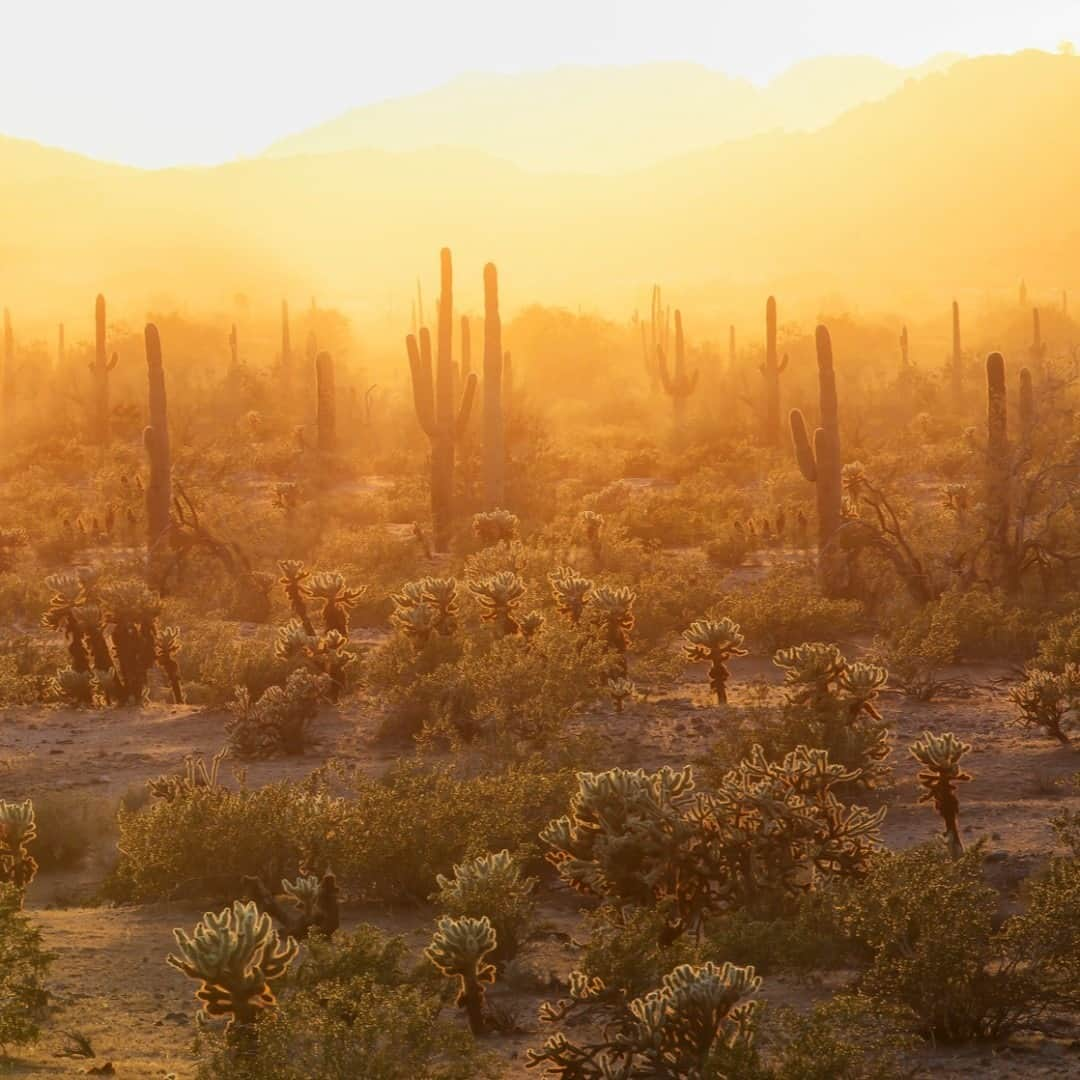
x=156, y=82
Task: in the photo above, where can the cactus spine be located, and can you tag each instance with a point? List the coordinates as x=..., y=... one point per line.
x=494, y=420
x=156, y=441
x=433, y=396
x=678, y=385
x=99, y=370
x=9, y=365
x=327, y=405
x=772, y=369
x=820, y=462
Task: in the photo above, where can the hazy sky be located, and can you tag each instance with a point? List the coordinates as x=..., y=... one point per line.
x=158, y=82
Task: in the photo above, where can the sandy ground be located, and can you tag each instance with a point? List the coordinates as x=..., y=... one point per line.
x=109, y=981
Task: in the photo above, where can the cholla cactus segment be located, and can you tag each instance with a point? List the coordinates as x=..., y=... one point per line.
x=129, y=602
x=620, y=691
x=571, y=592
x=442, y=595
x=17, y=829
x=940, y=756
x=292, y=642
x=337, y=597
x=459, y=949
x=74, y=687
x=416, y=623
x=853, y=477
x=530, y=623
x=166, y=648
x=862, y=683
x=1048, y=700
x=303, y=892
x=235, y=955
x=495, y=526
x=613, y=609
x=499, y=595
x=716, y=641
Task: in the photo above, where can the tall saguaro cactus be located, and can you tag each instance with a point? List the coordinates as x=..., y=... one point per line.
x=956, y=365
x=998, y=464
x=654, y=339
x=731, y=348
x=678, y=384
x=820, y=462
x=494, y=420
x=100, y=369
x=442, y=418
x=1037, y=352
x=8, y=388
x=156, y=441
x=286, y=341
x=905, y=355
x=326, y=421
x=772, y=369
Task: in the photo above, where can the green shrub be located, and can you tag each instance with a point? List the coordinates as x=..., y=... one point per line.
x=23, y=966
x=1060, y=644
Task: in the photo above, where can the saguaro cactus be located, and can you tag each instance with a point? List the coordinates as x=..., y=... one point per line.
x=997, y=462
x=433, y=394
x=327, y=403
x=1037, y=351
x=156, y=441
x=234, y=349
x=1027, y=409
x=956, y=365
x=286, y=342
x=820, y=462
x=678, y=385
x=99, y=370
x=494, y=421
x=8, y=390
x=772, y=369
x=905, y=357
x=655, y=338
x=731, y=348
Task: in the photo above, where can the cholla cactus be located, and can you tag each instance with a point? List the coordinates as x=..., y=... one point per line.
x=294, y=576
x=17, y=829
x=613, y=610
x=416, y=622
x=287, y=500
x=594, y=528
x=620, y=691
x=531, y=622
x=940, y=757
x=499, y=595
x=811, y=671
x=321, y=654
x=686, y=1028
x=957, y=498
x=195, y=777
x=235, y=955
x=166, y=646
x=495, y=527
x=441, y=595
x=338, y=599
x=74, y=687
x=130, y=611
x=492, y=886
x=1048, y=699
x=862, y=683
x=426, y=606
x=459, y=949
x=716, y=641
x=571, y=592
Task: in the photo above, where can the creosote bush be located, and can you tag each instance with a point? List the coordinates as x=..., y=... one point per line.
x=24, y=964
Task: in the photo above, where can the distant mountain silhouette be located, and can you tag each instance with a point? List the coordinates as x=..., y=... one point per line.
x=607, y=119
x=960, y=180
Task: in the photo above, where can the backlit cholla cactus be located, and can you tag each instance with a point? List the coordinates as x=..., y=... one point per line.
x=459, y=949
x=492, y=886
x=17, y=829
x=293, y=580
x=940, y=757
x=166, y=646
x=715, y=640
x=499, y=596
x=1049, y=700
x=74, y=687
x=308, y=903
x=811, y=671
x=700, y=1019
x=531, y=622
x=424, y=607
x=620, y=691
x=594, y=528
x=337, y=597
x=571, y=592
x=320, y=654
x=413, y=617
x=234, y=955
x=195, y=776
x=861, y=683
x=495, y=527
x=613, y=610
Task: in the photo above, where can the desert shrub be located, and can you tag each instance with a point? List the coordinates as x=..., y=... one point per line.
x=71, y=826
x=341, y=1029
x=787, y=607
x=492, y=886
x=216, y=660
x=362, y=953
x=728, y=550
x=915, y=654
x=928, y=923
x=849, y=1037
x=1049, y=701
x=1060, y=644
x=23, y=966
x=982, y=623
